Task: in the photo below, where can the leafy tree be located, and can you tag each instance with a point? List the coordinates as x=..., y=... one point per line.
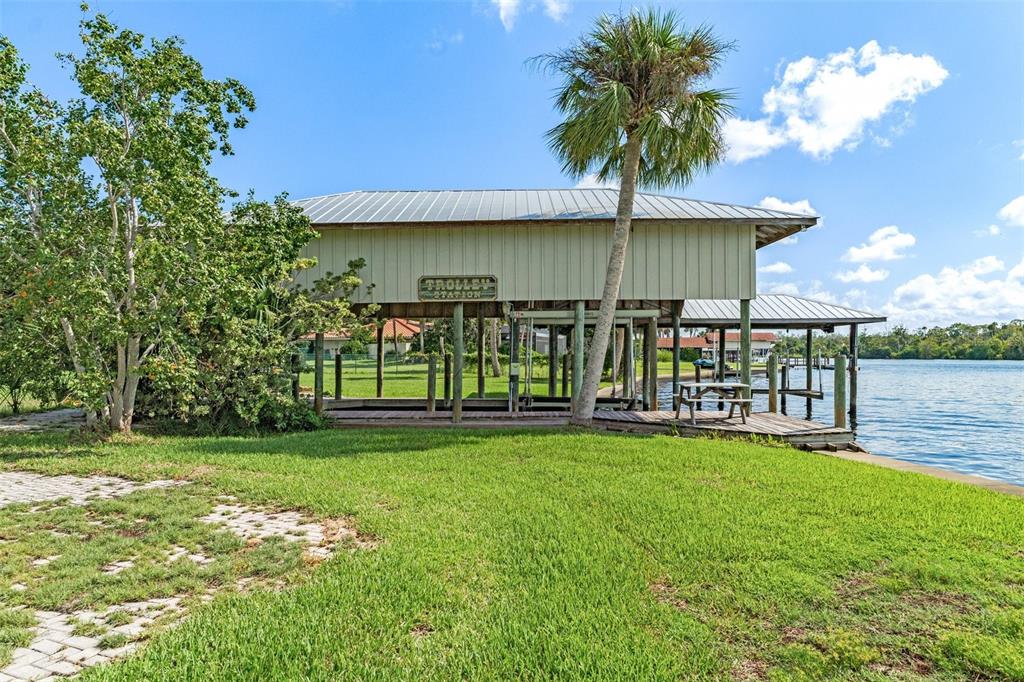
x=42, y=189
x=635, y=110
x=116, y=247
x=222, y=365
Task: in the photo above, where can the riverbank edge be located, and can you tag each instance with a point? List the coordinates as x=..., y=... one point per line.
x=945, y=474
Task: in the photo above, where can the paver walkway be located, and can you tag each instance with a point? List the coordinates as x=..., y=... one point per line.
x=19, y=486
x=55, y=650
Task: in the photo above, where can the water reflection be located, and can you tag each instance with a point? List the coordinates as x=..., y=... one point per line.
x=958, y=414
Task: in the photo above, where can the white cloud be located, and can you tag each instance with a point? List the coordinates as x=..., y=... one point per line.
x=812, y=289
x=823, y=105
x=801, y=206
x=591, y=182
x=441, y=40
x=750, y=139
x=863, y=274
x=1020, y=143
x=990, y=231
x=778, y=268
x=508, y=10
x=968, y=293
x=885, y=243
x=556, y=9
x=1013, y=212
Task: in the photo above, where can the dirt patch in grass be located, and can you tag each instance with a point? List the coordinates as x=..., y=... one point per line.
x=421, y=630
x=749, y=669
x=666, y=593
x=344, y=533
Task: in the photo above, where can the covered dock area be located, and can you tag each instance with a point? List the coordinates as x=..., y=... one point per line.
x=535, y=260
x=786, y=312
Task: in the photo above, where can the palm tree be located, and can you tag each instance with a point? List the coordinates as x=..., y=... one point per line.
x=634, y=110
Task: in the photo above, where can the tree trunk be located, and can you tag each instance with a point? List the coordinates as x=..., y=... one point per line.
x=495, y=362
x=583, y=412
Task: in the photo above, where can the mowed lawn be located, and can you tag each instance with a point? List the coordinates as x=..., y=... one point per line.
x=578, y=555
x=359, y=380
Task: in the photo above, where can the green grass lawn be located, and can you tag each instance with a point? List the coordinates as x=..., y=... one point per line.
x=359, y=380
x=578, y=555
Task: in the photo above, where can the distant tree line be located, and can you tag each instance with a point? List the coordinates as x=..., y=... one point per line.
x=994, y=341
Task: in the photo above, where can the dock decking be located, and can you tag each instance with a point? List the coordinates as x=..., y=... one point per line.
x=764, y=424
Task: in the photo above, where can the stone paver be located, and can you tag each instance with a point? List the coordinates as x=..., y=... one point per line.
x=55, y=651
x=22, y=487
x=255, y=523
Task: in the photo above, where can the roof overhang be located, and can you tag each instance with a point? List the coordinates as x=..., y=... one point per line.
x=767, y=232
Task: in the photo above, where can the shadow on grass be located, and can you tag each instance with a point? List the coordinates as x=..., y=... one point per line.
x=341, y=443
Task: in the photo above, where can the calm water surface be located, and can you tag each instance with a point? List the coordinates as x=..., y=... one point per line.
x=965, y=415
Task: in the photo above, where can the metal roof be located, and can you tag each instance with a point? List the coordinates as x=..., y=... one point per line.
x=774, y=311
x=382, y=208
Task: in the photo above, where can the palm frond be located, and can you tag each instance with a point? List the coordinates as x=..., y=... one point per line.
x=639, y=74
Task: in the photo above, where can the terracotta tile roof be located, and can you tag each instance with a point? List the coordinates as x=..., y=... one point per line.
x=407, y=330
x=710, y=339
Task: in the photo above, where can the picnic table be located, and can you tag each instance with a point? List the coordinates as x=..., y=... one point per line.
x=734, y=393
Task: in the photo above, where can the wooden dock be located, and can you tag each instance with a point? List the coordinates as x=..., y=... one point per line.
x=764, y=424
x=800, y=432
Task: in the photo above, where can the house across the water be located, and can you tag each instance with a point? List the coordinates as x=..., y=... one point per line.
x=760, y=345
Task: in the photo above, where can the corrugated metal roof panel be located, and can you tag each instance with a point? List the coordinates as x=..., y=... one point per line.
x=388, y=207
x=774, y=309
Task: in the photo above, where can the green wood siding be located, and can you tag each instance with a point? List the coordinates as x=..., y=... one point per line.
x=565, y=262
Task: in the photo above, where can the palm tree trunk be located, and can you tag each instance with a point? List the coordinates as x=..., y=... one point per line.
x=584, y=408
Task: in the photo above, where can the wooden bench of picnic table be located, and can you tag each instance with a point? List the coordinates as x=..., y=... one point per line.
x=691, y=393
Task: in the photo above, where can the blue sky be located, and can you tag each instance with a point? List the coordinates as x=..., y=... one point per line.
x=902, y=125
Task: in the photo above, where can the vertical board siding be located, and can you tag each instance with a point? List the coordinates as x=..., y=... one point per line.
x=664, y=261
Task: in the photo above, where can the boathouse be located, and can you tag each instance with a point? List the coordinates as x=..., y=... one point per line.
x=538, y=258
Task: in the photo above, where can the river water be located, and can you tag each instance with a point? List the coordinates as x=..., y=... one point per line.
x=964, y=415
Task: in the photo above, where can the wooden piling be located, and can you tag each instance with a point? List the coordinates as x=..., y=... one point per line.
x=566, y=360
x=697, y=379
x=552, y=359
x=677, y=311
x=380, y=360
x=645, y=369
x=527, y=382
x=745, y=346
x=785, y=385
x=839, y=391
x=337, y=375
x=809, y=371
x=480, y=389
x=854, y=368
x=578, y=338
x=447, y=380
x=773, y=383
x=629, y=361
x=721, y=362
x=513, y=366
x=431, y=383
x=652, y=358
x=318, y=372
x=459, y=334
